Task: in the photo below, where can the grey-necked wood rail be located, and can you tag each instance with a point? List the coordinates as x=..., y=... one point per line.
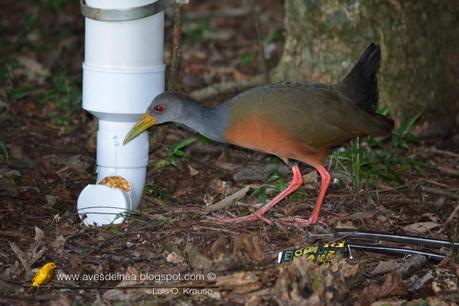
x=294, y=120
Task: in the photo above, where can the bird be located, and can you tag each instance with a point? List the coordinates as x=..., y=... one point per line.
x=295, y=120
x=43, y=276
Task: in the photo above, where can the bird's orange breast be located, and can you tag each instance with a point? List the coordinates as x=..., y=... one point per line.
x=260, y=132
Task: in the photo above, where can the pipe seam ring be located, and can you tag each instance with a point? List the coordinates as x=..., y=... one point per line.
x=125, y=14
x=126, y=70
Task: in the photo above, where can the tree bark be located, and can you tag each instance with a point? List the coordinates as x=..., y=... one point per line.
x=419, y=42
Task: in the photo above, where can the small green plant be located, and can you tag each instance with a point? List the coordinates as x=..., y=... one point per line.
x=203, y=139
x=276, y=36
x=64, y=93
x=195, y=31
x=280, y=184
x=156, y=192
x=369, y=162
x=166, y=221
x=114, y=229
x=60, y=120
x=246, y=59
x=18, y=93
x=29, y=23
x=356, y=158
x=158, y=164
x=260, y=192
x=56, y=5
x=176, y=151
x=12, y=91
x=402, y=135
x=7, y=67
x=278, y=179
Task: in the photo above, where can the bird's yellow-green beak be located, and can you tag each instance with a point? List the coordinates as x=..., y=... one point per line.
x=144, y=123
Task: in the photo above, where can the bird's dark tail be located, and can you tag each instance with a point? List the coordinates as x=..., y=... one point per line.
x=361, y=84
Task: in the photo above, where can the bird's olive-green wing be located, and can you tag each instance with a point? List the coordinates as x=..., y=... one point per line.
x=313, y=114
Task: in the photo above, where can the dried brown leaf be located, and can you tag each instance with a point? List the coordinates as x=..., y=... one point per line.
x=33, y=70
x=421, y=227
x=346, y=225
x=39, y=235
x=59, y=243
x=220, y=248
x=411, y=265
x=306, y=283
x=310, y=178
x=192, y=171
x=239, y=281
x=385, y=266
x=174, y=258
x=220, y=187
x=444, y=281
x=247, y=249
x=226, y=165
x=417, y=282
x=21, y=256
x=393, y=285
x=198, y=261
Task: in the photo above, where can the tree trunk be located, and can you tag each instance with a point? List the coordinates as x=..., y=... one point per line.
x=419, y=42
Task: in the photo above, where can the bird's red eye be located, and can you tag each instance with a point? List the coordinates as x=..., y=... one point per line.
x=159, y=108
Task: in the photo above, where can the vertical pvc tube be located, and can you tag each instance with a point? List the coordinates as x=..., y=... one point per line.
x=123, y=71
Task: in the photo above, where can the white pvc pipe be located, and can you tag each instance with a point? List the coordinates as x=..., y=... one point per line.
x=123, y=71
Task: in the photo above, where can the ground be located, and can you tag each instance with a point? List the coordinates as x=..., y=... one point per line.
x=48, y=156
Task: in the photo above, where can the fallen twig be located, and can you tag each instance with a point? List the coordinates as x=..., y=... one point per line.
x=15, y=235
x=442, y=152
x=229, y=200
x=450, y=218
x=440, y=192
x=215, y=229
x=448, y=171
x=435, y=183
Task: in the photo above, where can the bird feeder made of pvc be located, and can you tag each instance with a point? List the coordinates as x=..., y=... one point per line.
x=123, y=71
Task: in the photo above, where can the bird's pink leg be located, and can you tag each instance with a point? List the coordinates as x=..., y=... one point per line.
x=326, y=178
x=314, y=218
x=297, y=181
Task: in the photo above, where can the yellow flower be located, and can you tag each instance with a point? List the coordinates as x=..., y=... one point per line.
x=43, y=276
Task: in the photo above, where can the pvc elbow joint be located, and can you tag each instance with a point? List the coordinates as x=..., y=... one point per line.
x=105, y=203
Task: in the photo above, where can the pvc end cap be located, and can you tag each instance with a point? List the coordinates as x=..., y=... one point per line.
x=102, y=205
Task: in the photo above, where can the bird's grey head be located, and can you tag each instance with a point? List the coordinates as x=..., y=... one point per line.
x=167, y=107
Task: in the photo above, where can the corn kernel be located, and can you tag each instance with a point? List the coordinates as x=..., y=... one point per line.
x=116, y=182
